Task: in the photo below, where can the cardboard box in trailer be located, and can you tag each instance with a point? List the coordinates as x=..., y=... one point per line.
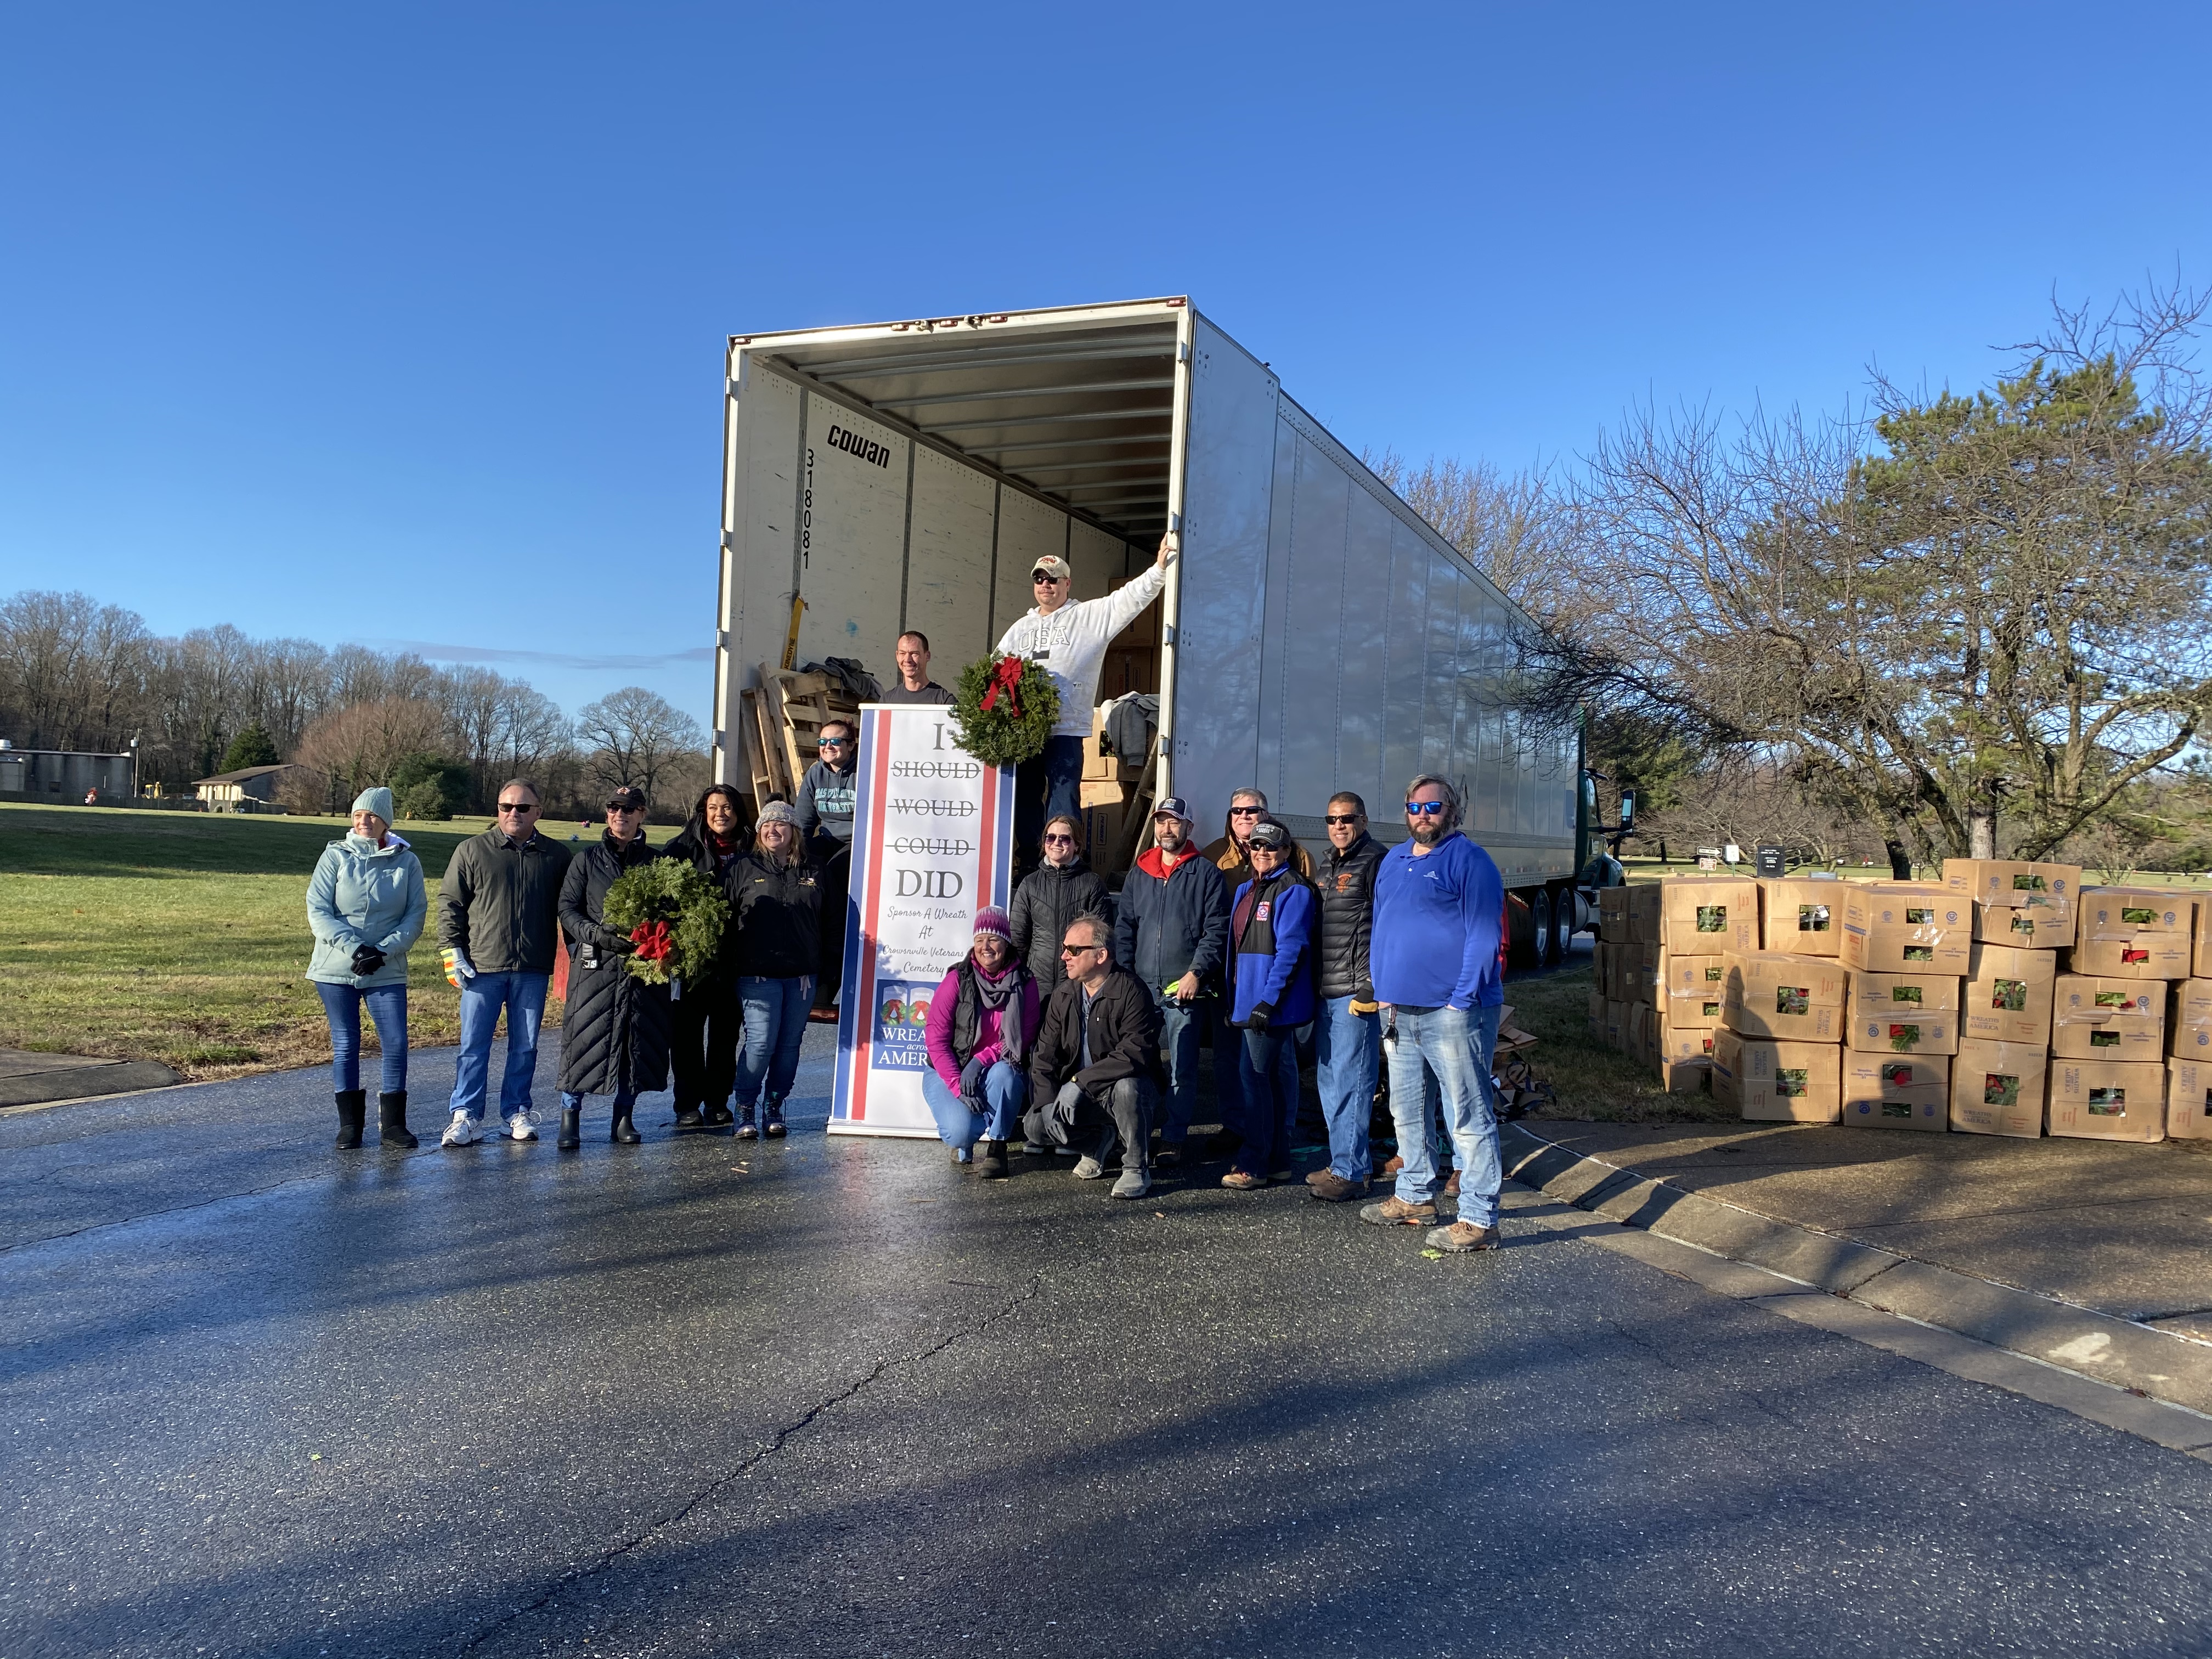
x=1314, y=633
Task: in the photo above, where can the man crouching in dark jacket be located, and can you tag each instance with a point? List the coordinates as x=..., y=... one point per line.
x=1094, y=1070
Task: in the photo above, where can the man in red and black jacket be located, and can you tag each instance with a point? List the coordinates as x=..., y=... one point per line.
x=1171, y=931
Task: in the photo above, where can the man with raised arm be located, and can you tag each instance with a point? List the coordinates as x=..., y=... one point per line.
x=1067, y=638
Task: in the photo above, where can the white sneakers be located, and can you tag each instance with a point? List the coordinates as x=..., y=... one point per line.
x=463, y=1131
x=1089, y=1168
x=519, y=1128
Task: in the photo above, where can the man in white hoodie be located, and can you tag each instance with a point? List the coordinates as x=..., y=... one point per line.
x=1067, y=638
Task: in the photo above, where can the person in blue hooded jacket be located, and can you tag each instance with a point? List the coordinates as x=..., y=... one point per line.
x=367, y=904
x=1272, y=926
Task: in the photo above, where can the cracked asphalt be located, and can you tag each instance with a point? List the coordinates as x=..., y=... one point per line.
x=831, y=1397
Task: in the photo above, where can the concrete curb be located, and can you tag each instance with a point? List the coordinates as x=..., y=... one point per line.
x=2038, y=1328
x=82, y=1082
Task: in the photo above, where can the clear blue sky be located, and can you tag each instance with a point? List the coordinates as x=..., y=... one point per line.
x=404, y=323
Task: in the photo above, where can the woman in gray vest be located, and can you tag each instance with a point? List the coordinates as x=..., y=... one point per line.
x=367, y=904
x=980, y=1027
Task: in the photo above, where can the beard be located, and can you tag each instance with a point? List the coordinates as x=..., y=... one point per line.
x=1428, y=831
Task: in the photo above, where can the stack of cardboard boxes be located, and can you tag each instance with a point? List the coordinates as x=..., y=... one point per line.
x=1908, y=947
x=1659, y=969
x=1105, y=790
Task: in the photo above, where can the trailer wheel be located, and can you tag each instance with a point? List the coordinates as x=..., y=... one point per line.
x=1563, y=923
x=1543, y=948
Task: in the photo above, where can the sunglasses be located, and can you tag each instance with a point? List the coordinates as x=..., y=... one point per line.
x=1079, y=950
x=833, y=743
x=1246, y=811
x=518, y=806
x=1424, y=809
x=621, y=812
x=1341, y=818
x=1038, y=578
x=1060, y=841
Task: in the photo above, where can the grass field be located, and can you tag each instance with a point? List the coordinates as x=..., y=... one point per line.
x=183, y=937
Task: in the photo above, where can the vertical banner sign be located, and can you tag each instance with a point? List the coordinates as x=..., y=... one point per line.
x=932, y=843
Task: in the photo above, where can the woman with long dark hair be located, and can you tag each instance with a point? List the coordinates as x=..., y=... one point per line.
x=707, y=1024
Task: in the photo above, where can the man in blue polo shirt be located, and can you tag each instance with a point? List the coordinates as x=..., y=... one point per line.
x=1440, y=903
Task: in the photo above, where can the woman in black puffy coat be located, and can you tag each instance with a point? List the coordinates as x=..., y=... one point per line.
x=614, y=1034
x=709, y=1023
x=1050, y=897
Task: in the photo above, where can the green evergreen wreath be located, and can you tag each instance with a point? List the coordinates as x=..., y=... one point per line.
x=1024, y=708
x=672, y=916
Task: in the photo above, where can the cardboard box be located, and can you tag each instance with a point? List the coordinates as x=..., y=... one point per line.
x=1644, y=910
x=1681, y=1044
x=1097, y=764
x=2007, y=996
x=1902, y=1013
x=1686, y=1077
x=2200, y=955
x=2030, y=907
x=1597, y=1015
x=1896, y=1091
x=1641, y=973
x=2135, y=933
x=1771, y=1082
x=1613, y=913
x=1906, y=927
x=1696, y=988
x=2093, y=1018
x=2107, y=1100
x=1788, y=999
x=1102, y=793
x=2189, y=1019
x=1616, y=1025
x=1996, y=1089
x=1801, y=916
x=2189, y=1100
x=1102, y=829
x=1704, y=915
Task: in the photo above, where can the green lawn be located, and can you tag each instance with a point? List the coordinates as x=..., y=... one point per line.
x=1592, y=1079
x=183, y=937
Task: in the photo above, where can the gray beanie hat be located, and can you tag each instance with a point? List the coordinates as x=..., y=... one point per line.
x=779, y=812
x=377, y=800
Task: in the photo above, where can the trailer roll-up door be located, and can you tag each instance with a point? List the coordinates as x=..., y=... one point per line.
x=1318, y=635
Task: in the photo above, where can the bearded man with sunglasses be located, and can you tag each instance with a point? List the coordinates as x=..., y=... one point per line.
x=1439, y=904
x=1067, y=638
x=498, y=915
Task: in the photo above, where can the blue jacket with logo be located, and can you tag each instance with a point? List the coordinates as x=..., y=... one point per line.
x=1281, y=976
x=1437, y=921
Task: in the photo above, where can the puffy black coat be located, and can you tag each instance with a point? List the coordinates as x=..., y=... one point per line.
x=776, y=910
x=1046, y=902
x=616, y=1027
x=1346, y=882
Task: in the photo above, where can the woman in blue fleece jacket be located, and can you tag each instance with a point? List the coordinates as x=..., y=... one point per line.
x=1272, y=926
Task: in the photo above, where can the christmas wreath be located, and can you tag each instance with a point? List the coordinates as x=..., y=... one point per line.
x=1006, y=708
x=673, y=916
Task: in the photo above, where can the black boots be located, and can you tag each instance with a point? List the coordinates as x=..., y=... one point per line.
x=991, y=1161
x=689, y=1118
x=353, y=1112
x=572, y=1123
x=391, y=1121
x=623, y=1132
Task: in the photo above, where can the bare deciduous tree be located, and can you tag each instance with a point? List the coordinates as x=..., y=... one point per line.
x=633, y=736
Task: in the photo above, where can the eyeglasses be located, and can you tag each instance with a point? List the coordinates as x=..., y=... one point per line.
x=519, y=807
x=1341, y=818
x=1060, y=841
x=1246, y=811
x=1425, y=809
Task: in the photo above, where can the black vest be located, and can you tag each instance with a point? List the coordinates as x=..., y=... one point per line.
x=967, y=1017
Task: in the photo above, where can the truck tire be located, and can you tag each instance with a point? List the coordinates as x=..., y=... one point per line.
x=1543, y=944
x=1563, y=924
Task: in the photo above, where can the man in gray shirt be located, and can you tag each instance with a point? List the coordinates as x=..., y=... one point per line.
x=914, y=684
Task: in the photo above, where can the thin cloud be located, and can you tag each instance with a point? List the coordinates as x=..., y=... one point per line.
x=483, y=654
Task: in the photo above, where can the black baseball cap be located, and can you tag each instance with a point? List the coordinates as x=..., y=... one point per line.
x=1268, y=833
x=626, y=796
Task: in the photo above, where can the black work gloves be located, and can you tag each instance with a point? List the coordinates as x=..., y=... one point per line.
x=1260, y=1014
x=366, y=960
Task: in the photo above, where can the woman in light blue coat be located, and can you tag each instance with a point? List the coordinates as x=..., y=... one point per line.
x=367, y=905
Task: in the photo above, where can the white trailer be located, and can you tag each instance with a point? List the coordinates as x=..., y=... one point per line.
x=1315, y=636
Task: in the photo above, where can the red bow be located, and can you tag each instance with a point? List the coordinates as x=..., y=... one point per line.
x=1006, y=677
x=653, y=939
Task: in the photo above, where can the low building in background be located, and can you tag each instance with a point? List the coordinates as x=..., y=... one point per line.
x=64, y=777
x=249, y=789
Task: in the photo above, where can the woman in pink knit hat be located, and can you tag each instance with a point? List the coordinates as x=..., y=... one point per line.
x=982, y=1023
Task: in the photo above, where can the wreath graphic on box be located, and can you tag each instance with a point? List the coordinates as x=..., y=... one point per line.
x=672, y=916
x=1006, y=708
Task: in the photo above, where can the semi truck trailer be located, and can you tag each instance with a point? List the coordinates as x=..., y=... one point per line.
x=1315, y=633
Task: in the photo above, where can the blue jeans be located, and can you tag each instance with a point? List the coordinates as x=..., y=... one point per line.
x=1456, y=1045
x=1271, y=1100
x=1228, y=1069
x=1182, y=1026
x=1348, y=1051
x=775, y=1024
x=1005, y=1094
x=624, y=1100
x=387, y=1007
x=523, y=996
x=1046, y=786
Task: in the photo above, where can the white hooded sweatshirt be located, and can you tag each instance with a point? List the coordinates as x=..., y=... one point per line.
x=1070, y=645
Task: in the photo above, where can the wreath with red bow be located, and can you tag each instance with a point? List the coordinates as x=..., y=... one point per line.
x=673, y=916
x=1006, y=708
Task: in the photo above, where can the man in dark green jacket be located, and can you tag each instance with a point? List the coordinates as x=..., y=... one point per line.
x=499, y=915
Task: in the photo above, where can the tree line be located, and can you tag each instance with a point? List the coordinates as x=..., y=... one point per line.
x=1940, y=625
x=75, y=673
